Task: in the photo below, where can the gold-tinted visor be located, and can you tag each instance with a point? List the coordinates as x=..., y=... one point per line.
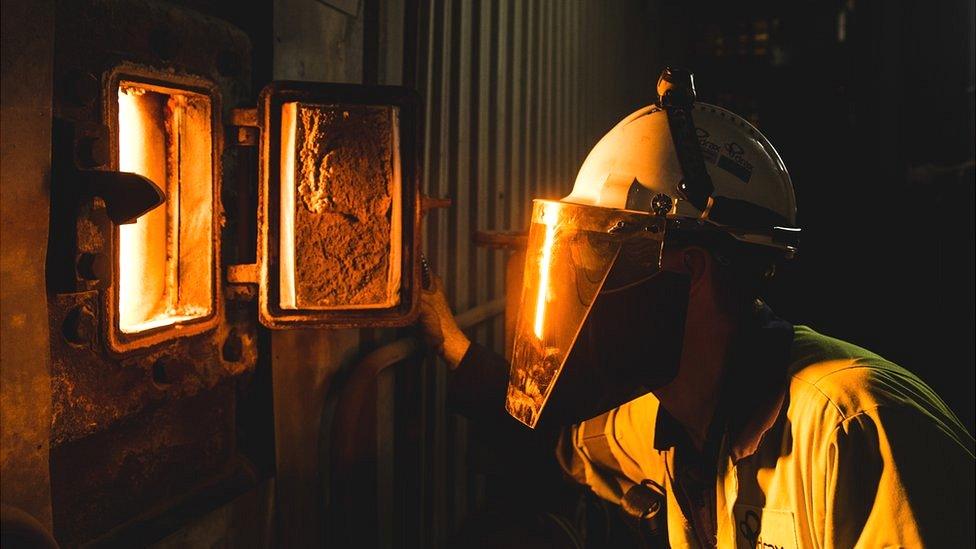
x=574, y=252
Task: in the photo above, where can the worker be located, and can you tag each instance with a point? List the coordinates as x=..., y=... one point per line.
x=688, y=403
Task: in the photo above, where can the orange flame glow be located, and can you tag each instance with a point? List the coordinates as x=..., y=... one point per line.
x=544, y=266
x=172, y=243
x=142, y=245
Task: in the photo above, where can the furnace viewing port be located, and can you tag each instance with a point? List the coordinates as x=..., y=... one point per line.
x=165, y=261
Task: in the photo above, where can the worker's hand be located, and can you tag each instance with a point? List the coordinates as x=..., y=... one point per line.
x=440, y=329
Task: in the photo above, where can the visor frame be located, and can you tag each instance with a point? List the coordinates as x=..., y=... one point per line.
x=578, y=245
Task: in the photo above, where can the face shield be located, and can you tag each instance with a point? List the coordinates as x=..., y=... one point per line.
x=575, y=253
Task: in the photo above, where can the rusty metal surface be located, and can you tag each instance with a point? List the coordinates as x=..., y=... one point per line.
x=305, y=365
x=25, y=393
x=134, y=428
x=102, y=481
x=92, y=393
x=94, y=36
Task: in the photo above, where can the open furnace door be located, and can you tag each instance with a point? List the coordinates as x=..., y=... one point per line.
x=339, y=205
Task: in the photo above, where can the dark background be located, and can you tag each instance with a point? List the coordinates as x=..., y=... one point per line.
x=871, y=106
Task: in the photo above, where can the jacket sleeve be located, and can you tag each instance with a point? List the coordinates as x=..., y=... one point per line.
x=513, y=455
x=895, y=478
x=608, y=452
x=476, y=388
x=612, y=452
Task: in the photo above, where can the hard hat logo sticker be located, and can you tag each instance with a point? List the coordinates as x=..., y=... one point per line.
x=709, y=148
x=734, y=162
x=730, y=157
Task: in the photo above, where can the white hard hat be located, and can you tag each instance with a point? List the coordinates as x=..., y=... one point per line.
x=673, y=168
x=636, y=166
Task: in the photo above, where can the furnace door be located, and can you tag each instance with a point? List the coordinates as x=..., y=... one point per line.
x=338, y=206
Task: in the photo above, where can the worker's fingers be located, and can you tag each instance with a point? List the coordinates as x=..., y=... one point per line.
x=434, y=297
x=430, y=324
x=432, y=305
x=436, y=285
x=440, y=329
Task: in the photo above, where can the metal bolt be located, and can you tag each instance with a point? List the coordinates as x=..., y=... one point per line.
x=160, y=375
x=661, y=204
x=79, y=325
x=233, y=350
x=247, y=136
x=93, y=266
x=92, y=152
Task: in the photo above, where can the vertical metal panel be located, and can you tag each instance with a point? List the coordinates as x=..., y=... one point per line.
x=390, y=70
x=316, y=42
x=443, y=243
x=536, y=71
x=312, y=42
x=25, y=365
x=498, y=154
x=481, y=207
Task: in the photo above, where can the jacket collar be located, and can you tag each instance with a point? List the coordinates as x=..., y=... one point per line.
x=754, y=391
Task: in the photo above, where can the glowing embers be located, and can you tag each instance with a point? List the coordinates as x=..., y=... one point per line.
x=165, y=259
x=340, y=226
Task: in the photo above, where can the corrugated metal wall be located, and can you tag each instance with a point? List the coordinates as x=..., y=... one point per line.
x=516, y=94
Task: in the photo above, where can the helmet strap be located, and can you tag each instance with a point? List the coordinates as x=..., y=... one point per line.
x=676, y=95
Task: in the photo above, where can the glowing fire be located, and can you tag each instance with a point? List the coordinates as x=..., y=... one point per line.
x=544, y=265
x=165, y=258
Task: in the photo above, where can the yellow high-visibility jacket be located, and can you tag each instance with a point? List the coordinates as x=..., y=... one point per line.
x=857, y=452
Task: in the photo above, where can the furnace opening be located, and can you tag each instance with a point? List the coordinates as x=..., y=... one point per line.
x=165, y=258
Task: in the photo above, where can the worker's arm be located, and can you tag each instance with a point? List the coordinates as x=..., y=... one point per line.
x=893, y=478
x=440, y=329
x=477, y=386
x=478, y=377
x=514, y=457
x=585, y=451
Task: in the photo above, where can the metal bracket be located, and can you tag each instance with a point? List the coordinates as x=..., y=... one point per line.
x=244, y=273
x=428, y=203
x=242, y=282
x=245, y=121
x=501, y=240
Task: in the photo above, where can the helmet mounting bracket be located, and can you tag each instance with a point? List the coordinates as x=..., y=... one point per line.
x=676, y=95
